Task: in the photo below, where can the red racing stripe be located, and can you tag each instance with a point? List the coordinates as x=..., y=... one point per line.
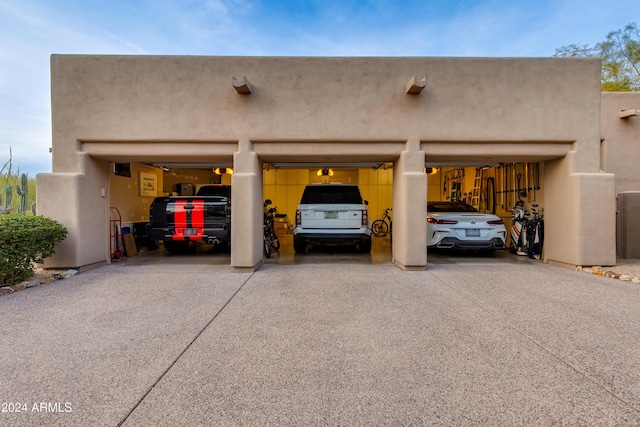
x=180, y=214
x=197, y=214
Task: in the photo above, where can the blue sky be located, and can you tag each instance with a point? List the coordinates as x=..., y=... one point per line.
x=31, y=30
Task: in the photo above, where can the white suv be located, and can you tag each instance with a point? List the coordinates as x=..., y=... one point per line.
x=332, y=214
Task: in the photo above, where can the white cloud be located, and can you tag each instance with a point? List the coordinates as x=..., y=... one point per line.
x=129, y=45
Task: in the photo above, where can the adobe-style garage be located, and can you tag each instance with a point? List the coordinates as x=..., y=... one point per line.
x=248, y=112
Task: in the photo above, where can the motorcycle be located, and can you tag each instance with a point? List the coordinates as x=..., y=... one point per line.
x=271, y=241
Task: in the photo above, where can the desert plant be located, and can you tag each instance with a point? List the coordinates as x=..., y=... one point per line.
x=25, y=240
x=25, y=188
x=8, y=198
x=23, y=192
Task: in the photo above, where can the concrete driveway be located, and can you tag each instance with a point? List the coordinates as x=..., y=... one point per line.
x=322, y=344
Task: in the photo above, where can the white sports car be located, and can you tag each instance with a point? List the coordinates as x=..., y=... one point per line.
x=457, y=225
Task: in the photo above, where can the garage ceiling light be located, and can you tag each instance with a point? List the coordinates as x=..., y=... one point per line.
x=325, y=172
x=223, y=171
x=431, y=170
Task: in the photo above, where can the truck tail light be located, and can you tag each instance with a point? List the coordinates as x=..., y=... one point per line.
x=298, y=218
x=365, y=218
x=495, y=222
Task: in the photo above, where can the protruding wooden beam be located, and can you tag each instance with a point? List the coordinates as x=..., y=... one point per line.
x=414, y=87
x=625, y=114
x=242, y=86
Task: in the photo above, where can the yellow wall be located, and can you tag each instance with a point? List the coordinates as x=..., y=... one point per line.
x=285, y=186
x=376, y=187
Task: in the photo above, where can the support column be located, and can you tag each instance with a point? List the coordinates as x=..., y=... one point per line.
x=410, y=209
x=78, y=201
x=579, y=216
x=246, y=210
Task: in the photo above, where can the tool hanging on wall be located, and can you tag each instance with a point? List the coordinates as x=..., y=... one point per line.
x=477, y=184
x=513, y=183
x=527, y=181
x=498, y=182
x=536, y=179
x=456, y=184
x=490, y=199
x=522, y=189
x=503, y=185
x=505, y=173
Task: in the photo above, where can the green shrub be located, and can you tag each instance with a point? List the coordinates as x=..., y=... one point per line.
x=25, y=240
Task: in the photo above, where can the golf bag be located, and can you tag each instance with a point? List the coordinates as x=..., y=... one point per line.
x=518, y=231
x=535, y=238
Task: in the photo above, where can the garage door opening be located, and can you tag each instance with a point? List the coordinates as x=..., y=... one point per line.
x=284, y=185
x=497, y=193
x=133, y=187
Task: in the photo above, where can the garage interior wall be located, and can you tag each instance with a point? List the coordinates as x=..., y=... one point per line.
x=124, y=193
x=174, y=177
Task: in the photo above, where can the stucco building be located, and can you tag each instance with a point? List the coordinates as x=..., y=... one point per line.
x=373, y=117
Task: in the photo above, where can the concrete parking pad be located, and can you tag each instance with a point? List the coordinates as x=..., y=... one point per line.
x=90, y=346
x=325, y=344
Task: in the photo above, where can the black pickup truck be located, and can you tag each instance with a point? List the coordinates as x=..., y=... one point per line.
x=205, y=217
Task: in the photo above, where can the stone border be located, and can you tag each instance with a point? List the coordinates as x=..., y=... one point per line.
x=39, y=278
x=597, y=270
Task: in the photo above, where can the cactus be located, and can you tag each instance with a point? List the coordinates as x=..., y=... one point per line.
x=23, y=191
x=7, y=200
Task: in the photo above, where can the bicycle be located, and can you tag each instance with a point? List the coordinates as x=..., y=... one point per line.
x=271, y=240
x=383, y=226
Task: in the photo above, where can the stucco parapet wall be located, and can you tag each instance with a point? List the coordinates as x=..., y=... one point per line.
x=494, y=151
x=336, y=150
x=185, y=98
x=160, y=150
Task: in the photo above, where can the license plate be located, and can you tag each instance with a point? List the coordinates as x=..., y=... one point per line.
x=331, y=215
x=473, y=232
x=190, y=232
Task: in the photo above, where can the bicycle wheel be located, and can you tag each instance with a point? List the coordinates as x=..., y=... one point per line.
x=267, y=249
x=275, y=241
x=379, y=228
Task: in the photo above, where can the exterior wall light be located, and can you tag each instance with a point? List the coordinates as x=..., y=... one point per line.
x=625, y=114
x=223, y=171
x=414, y=87
x=242, y=86
x=325, y=172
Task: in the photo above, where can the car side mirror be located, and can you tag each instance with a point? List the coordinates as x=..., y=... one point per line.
x=267, y=202
x=366, y=202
